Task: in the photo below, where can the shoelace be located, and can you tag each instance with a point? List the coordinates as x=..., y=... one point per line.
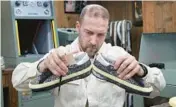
x=60, y=85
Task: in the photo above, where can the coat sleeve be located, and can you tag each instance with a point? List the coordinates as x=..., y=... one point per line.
x=23, y=73
x=155, y=76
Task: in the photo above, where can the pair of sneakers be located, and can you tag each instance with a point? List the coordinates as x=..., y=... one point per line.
x=102, y=68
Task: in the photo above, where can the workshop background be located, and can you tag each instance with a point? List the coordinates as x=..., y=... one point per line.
x=150, y=18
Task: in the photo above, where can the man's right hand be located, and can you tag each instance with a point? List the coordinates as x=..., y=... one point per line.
x=55, y=62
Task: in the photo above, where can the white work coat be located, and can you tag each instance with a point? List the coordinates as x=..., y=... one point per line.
x=98, y=93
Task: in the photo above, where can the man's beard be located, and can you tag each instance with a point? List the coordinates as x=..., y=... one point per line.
x=91, y=51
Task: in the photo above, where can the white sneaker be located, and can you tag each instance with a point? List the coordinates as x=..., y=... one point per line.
x=103, y=69
x=80, y=69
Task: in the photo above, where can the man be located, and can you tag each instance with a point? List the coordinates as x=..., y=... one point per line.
x=92, y=28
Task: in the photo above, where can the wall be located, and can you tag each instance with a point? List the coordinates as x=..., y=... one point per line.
x=118, y=10
x=65, y=19
x=159, y=16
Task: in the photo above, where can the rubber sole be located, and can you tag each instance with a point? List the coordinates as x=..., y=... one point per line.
x=131, y=88
x=56, y=83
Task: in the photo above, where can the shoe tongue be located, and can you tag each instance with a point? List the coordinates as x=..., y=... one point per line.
x=110, y=59
x=77, y=58
x=81, y=58
x=112, y=55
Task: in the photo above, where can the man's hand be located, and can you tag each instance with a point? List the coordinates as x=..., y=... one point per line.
x=55, y=63
x=127, y=66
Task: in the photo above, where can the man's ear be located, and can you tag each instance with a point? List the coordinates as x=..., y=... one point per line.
x=77, y=26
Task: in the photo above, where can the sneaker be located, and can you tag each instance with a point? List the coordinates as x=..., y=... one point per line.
x=103, y=69
x=80, y=69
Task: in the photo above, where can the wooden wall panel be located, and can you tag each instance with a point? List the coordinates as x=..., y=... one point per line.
x=168, y=17
x=159, y=16
x=136, y=38
x=118, y=10
x=64, y=20
x=150, y=13
x=174, y=15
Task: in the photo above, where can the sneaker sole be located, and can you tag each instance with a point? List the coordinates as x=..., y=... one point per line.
x=146, y=91
x=50, y=85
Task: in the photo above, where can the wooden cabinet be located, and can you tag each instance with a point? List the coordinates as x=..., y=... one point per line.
x=159, y=16
x=7, y=85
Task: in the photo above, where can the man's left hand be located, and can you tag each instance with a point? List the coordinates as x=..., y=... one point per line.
x=127, y=66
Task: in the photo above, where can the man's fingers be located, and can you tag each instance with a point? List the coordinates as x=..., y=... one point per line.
x=132, y=73
x=55, y=68
x=64, y=59
x=66, y=56
x=62, y=66
x=125, y=64
x=59, y=62
x=129, y=68
x=55, y=65
x=132, y=66
x=119, y=61
x=55, y=72
x=48, y=65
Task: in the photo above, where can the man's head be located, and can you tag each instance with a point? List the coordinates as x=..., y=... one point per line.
x=92, y=28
